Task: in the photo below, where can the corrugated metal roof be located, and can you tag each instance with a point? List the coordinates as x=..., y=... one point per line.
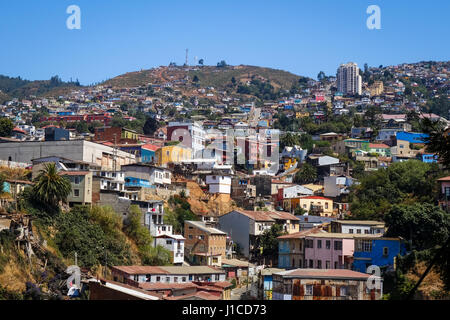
x=324, y=273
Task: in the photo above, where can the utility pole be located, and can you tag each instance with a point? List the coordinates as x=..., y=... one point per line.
x=187, y=56
x=115, y=153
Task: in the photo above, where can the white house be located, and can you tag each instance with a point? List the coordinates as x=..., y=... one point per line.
x=175, y=244
x=296, y=191
x=219, y=183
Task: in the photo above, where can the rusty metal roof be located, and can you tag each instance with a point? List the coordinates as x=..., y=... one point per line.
x=324, y=273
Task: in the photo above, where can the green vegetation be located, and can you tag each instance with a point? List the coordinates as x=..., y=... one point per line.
x=6, y=127
x=401, y=183
x=134, y=228
x=51, y=188
x=307, y=174
x=179, y=212
x=269, y=243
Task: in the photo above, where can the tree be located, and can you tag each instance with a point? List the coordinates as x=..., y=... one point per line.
x=321, y=76
x=269, y=243
x=6, y=127
x=50, y=187
x=438, y=140
x=195, y=79
x=201, y=62
x=307, y=174
x=150, y=126
x=221, y=64
x=403, y=182
x=425, y=225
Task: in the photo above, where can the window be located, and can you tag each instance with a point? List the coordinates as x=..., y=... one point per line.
x=328, y=244
x=338, y=245
x=364, y=245
x=385, y=251
x=343, y=291
x=336, y=265
x=366, y=231
x=309, y=243
x=201, y=237
x=319, y=264
x=168, y=241
x=183, y=279
x=319, y=244
x=327, y=264
x=311, y=263
x=175, y=279
x=308, y=290
x=148, y=277
x=326, y=205
x=217, y=277
x=447, y=191
x=358, y=231
x=77, y=180
x=167, y=279
x=350, y=230
x=76, y=192
x=190, y=236
x=158, y=278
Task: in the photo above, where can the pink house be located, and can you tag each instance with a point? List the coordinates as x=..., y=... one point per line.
x=329, y=250
x=444, y=198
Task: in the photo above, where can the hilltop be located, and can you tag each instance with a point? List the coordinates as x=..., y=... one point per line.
x=209, y=76
x=20, y=88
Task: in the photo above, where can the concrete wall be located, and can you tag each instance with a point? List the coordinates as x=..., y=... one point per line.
x=81, y=150
x=237, y=226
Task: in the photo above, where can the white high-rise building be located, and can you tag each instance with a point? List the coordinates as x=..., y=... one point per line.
x=348, y=79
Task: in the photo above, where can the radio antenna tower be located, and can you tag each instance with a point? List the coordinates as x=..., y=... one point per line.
x=187, y=55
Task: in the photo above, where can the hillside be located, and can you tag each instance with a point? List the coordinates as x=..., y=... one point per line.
x=19, y=88
x=209, y=76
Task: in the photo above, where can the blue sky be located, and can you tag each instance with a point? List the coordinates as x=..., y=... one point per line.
x=300, y=36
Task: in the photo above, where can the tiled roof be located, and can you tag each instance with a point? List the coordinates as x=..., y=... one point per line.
x=155, y=286
x=256, y=215
x=325, y=273
x=74, y=173
x=316, y=197
x=444, y=179
x=378, y=146
x=140, y=269
x=302, y=234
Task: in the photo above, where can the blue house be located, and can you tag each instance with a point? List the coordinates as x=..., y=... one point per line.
x=429, y=158
x=376, y=251
x=412, y=137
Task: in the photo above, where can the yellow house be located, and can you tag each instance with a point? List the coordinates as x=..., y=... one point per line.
x=172, y=154
x=317, y=205
x=289, y=162
x=129, y=134
x=301, y=114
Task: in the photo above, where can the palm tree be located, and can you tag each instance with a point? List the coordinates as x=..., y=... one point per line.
x=50, y=187
x=308, y=174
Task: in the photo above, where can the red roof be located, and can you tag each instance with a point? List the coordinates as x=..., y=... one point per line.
x=155, y=286
x=19, y=130
x=378, y=146
x=444, y=179
x=301, y=234
x=74, y=173
x=151, y=147
x=315, y=197
x=326, y=273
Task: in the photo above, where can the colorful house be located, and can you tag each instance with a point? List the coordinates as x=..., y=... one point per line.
x=329, y=251
x=380, y=148
x=172, y=154
x=381, y=252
